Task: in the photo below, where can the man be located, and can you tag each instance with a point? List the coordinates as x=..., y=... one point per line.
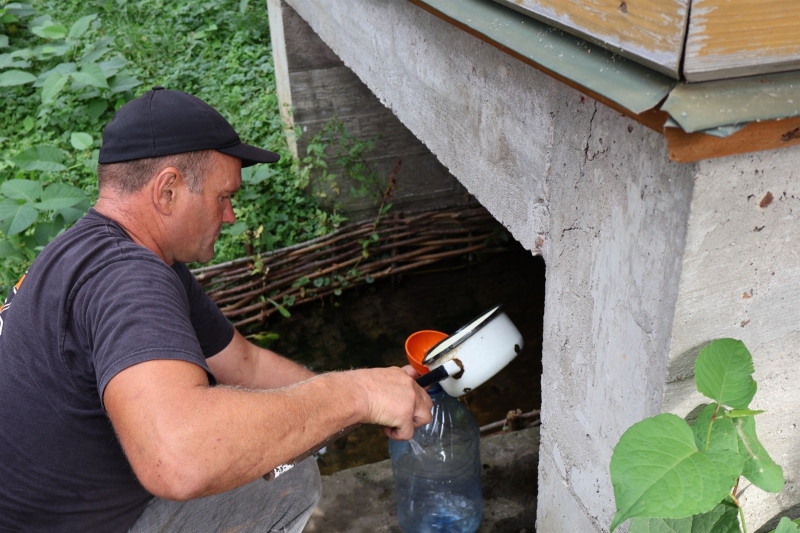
x=126, y=399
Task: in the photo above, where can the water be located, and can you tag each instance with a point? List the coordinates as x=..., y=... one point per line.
x=437, y=499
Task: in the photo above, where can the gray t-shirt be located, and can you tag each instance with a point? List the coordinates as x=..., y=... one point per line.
x=93, y=304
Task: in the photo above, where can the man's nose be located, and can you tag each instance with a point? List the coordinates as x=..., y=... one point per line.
x=228, y=216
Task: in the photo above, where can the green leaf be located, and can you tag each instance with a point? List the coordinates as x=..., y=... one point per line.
x=3, y=41
x=741, y=413
x=721, y=519
x=281, y=309
x=15, y=218
x=46, y=158
x=28, y=123
x=91, y=74
x=52, y=86
x=27, y=190
x=62, y=68
x=7, y=249
x=20, y=10
x=50, y=31
x=80, y=140
x=787, y=526
x=63, y=192
x=123, y=82
x=112, y=66
x=723, y=372
x=759, y=467
x=12, y=61
x=47, y=231
x=95, y=108
x=81, y=26
x=658, y=471
x=11, y=78
x=723, y=432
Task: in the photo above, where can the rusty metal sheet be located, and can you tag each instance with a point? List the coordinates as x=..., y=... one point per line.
x=702, y=106
x=628, y=84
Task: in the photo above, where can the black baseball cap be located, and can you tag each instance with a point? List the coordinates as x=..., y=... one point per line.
x=166, y=122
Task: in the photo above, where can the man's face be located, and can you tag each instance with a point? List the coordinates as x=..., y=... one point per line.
x=199, y=216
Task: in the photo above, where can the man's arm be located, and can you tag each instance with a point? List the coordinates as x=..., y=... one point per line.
x=245, y=364
x=185, y=439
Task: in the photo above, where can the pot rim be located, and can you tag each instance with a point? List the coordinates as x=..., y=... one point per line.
x=494, y=312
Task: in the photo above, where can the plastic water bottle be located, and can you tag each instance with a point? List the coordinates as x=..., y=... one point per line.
x=437, y=474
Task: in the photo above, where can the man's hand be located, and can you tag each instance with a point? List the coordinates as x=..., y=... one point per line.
x=394, y=400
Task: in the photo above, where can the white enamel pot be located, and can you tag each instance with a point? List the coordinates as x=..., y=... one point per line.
x=475, y=353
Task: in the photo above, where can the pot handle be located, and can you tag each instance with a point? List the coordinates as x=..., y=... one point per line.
x=434, y=376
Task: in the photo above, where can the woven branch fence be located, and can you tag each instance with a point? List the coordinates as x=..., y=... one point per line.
x=250, y=289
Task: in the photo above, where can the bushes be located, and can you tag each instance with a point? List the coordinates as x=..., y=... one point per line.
x=66, y=66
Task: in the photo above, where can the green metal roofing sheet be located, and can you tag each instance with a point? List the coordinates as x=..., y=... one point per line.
x=632, y=86
x=701, y=106
x=718, y=108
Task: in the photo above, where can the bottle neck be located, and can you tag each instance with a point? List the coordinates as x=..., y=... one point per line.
x=435, y=391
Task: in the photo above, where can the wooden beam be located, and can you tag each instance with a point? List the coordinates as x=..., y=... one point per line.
x=732, y=38
x=756, y=136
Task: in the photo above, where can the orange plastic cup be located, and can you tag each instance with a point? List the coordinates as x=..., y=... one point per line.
x=418, y=344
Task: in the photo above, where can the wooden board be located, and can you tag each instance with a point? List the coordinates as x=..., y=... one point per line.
x=756, y=136
x=730, y=38
x=650, y=32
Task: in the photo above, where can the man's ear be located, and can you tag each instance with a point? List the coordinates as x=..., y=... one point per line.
x=166, y=188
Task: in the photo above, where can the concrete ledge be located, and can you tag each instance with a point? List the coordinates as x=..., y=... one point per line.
x=362, y=500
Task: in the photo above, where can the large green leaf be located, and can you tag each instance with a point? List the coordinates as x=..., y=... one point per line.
x=59, y=196
x=7, y=249
x=11, y=61
x=15, y=218
x=50, y=31
x=20, y=10
x=80, y=140
x=52, y=86
x=721, y=519
x=658, y=471
x=47, y=231
x=723, y=432
x=759, y=467
x=46, y=158
x=91, y=74
x=112, y=66
x=788, y=526
x=11, y=78
x=3, y=41
x=123, y=82
x=80, y=26
x=723, y=372
x=27, y=190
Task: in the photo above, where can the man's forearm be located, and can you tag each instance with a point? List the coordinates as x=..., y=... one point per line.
x=245, y=364
x=185, y=439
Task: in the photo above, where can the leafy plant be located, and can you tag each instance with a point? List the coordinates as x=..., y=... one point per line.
x=669, y=475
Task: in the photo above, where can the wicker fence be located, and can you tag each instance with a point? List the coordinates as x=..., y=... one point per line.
x=250, y=289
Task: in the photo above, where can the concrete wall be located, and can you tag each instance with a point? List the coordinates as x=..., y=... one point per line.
x=646, y=259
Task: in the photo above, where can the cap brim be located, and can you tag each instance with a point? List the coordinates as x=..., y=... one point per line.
x=250, y=155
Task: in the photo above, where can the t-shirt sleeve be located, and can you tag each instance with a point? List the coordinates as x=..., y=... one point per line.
x=132, y=311
x=214, y=331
